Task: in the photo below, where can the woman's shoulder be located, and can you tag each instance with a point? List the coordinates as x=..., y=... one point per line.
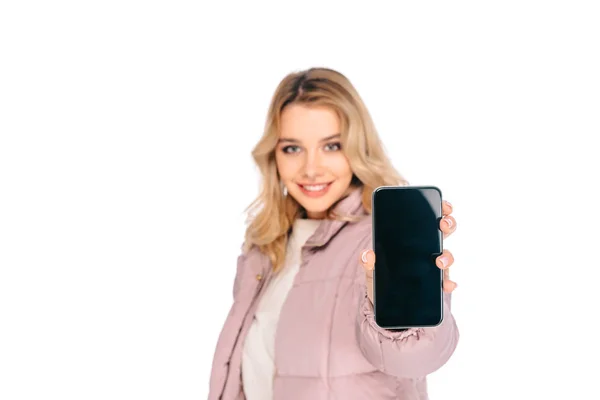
x=249, y=250
x=246, y=248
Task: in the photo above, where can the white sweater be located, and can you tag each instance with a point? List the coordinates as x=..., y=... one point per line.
x=259, y=346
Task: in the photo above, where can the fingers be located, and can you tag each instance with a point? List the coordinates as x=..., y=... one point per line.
x=448, y=225
x=448, y=285
x=446, y=208
x=367, y=260
x=445, y=260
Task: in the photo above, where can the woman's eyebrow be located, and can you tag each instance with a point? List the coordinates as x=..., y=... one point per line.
x=292, y=140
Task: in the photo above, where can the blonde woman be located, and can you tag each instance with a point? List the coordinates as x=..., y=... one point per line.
x=302, y=325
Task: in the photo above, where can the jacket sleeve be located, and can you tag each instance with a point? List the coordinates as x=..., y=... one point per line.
x=411, y=353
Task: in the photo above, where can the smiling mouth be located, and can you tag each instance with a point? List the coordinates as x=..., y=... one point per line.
x=314, y=187
x=315, y=190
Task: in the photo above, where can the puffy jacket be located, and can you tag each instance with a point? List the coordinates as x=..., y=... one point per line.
x=328, y=345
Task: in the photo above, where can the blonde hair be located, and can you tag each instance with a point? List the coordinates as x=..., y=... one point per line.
x=271, y=214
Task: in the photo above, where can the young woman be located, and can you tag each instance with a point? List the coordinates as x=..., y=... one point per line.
x=302, y=325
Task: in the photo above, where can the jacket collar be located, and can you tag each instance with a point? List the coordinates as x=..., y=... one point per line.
x=349, y=205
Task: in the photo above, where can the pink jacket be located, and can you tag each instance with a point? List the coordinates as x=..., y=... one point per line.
x=328, y=345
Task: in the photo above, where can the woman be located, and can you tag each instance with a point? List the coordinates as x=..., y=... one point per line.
x=302, y=324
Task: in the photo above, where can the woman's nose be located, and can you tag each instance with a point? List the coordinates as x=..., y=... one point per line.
x=312, y=164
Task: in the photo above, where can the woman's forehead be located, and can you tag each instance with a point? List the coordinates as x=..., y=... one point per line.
x=302, y=123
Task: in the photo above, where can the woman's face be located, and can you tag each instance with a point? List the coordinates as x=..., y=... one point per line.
x=309, y=158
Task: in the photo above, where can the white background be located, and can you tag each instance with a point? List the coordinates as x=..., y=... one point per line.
x=126, y=130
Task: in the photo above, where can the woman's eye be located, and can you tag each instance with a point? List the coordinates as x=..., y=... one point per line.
x=286, y=148
x=295, y=149
x=337, y=145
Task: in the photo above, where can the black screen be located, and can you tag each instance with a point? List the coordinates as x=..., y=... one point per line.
x=406, y=239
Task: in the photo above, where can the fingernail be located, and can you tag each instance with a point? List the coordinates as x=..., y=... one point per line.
x=363, y=257
x=447, y=202
x=449, y=221
x=443, y=261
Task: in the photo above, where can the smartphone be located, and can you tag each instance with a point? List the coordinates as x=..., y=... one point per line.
x=407, y=283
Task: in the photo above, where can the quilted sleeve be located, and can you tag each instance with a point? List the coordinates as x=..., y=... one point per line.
x=410, y=353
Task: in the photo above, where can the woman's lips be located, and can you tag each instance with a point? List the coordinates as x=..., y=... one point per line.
x=312, y=193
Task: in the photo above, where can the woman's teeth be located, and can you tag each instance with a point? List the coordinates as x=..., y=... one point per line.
x=315, y=188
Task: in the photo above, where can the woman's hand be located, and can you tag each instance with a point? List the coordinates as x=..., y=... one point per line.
x=444, y=261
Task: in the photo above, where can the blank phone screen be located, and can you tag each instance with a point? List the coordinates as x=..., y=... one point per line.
x=407, y=284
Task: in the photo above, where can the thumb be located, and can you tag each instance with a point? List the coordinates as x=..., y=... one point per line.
x=367, y=260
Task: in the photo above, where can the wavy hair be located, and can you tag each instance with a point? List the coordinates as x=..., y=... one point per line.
x=271, y=215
